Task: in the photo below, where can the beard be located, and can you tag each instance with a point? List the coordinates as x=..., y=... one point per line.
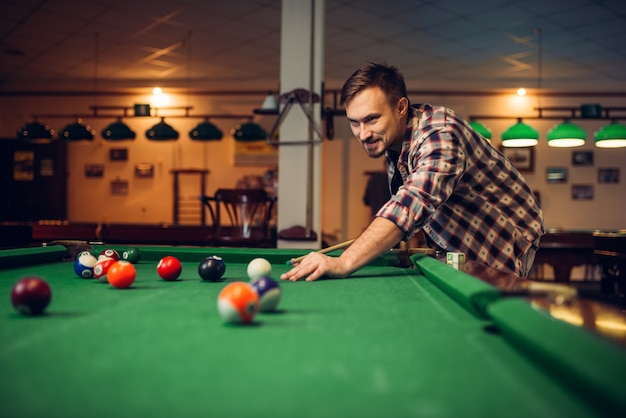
x=375, y=152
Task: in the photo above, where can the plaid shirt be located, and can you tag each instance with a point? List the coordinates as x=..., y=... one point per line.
x=464, y=193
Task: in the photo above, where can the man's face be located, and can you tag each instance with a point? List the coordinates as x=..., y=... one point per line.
x=375, y=123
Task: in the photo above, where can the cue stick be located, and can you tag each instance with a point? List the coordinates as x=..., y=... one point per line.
x=322, y=251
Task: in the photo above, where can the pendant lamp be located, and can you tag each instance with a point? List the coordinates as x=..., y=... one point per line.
x=205, y=131
x=77, y=131
x=161, y=132
x=34, y=130
x=249, y=131
x=520, y=135
x=118, y=131
x=566, y=134
x=612, y=135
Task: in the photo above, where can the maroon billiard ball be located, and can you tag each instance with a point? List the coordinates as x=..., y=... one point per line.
x=109, y=253
x=31, y=295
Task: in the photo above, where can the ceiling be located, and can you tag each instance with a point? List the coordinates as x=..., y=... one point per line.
x=452, y=45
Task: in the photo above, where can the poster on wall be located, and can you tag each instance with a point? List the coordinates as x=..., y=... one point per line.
x=255, y=153
x=23, y=165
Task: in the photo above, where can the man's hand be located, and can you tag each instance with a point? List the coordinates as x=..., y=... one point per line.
x=316, y=265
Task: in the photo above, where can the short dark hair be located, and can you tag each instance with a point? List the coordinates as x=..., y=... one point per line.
x=388, y=78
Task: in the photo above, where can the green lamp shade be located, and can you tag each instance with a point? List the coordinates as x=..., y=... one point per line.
x=249, y=132
x=520, y=135
x=118, y=131
x=566, y=134
x=612, y=135
x=205, y=131
x=77, y=131
x=481, y=129
x=161, y=132
x=34, y=130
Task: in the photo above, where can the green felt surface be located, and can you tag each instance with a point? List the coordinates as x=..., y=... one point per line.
x=470, y=292
x=384, y=343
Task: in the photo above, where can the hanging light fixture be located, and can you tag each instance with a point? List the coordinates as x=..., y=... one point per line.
x=205, y=131
x=520, y=135
x=481, y=129
x=612, y=135
x=566, y=134
x=249, y=131
x=161, y=132
x=77, y=131
x=118, y=131
x=269, y=106
x=34, y=130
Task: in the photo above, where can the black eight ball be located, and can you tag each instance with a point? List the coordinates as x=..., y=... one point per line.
x=212, y=268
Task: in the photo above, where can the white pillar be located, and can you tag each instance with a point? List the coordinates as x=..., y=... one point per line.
x=301, y=67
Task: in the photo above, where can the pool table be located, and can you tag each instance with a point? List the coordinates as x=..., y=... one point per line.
x=425, y=340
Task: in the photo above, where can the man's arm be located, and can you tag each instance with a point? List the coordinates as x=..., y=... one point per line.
x=380, y=236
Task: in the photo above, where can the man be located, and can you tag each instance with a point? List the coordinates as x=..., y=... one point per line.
x=445, y=179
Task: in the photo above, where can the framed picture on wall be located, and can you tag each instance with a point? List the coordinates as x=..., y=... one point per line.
x=582, y=158
x=582, y=191
x=608, y=175
x=119, y=187
x=522, y=158
x=118, y=154
x=144, y=170
x=556, y=174
x=94, y=170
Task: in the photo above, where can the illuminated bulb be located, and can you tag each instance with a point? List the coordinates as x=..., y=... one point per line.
x=157, y=91
x=521, y=91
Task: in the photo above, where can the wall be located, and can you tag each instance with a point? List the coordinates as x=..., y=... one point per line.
x=343, y=166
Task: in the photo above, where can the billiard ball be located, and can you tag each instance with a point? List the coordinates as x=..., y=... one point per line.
x=212, y=268
x=169, y=268
x=109, y=253
x=259, y=267
x=31, y=295
x=269, y=293
x=132, y=254
x=102, y=267
x=82, y=253
x=121, y=274
x=238, y=303
x=84, y=264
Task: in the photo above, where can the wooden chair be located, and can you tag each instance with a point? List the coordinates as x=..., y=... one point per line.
x=240, y=218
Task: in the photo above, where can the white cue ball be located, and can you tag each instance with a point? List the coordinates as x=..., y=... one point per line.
x=259, y=267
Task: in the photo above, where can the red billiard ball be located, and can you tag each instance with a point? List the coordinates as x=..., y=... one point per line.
x=212, y=268
x=269, y=293
x=238, y=302
x=121, y=274
x=31, y=295
x=169, y=268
